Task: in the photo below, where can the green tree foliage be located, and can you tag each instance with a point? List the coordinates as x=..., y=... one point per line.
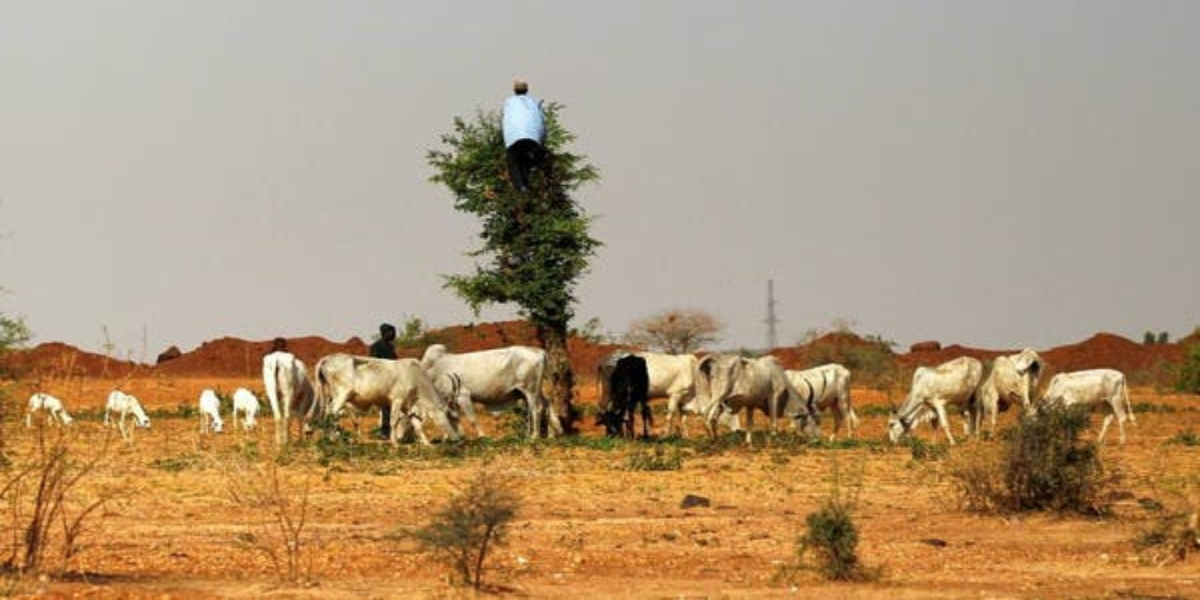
x=535, y=246
x=1188, y=380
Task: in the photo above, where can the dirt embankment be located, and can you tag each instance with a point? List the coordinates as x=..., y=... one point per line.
x=233, y=357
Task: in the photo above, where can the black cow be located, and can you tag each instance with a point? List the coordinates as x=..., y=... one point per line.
x=628, y=386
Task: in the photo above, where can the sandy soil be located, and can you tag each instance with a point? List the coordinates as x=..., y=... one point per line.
x=589, y=525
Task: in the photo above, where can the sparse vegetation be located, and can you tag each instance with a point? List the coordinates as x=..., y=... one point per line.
x=1043, y=465
x=48, y=510
x=655, y=458
x=832, y=538
x=471, y=523
x=1185, y=438
x=1174, y=532
x=278, y=514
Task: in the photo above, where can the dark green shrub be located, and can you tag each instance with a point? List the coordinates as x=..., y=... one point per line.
x=1188, y=378
x=832, y=538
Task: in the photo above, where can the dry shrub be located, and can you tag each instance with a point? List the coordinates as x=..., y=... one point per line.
x=474, y=520
x=278, y=509
x=48, y=512
x=1175, y=530
x=1042, y=465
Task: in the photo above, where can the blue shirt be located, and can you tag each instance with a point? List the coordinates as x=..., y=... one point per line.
x=523, y=119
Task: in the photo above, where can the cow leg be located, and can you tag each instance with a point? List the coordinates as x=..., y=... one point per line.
x=673, y=412
x=749, y=425
x=647, y=420
x=945, y=421
x=1103, y=429
x=838, y=418
x=466, y=407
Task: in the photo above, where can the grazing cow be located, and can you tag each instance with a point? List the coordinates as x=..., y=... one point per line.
x=828, y=387
x=952, y=383
x=53, y=407
x=245, y=402
x=450, y=387
x=289, y=393
x=627, y=389
x=735, y=383
x=402, y=384
x=672, y=376
x=1090, y=388
x=1013, y=379
x=210, y=413
x=498, y=377
x=125, y=405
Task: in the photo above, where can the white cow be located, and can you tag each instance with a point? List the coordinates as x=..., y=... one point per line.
x=125, y=405
x=498, y=377
x=245, y=402
x=289, y=392
x=210, y=413
x=1013, y=379
x=450, y=387
x=828, y=387
x=672, y=376
x=952, y=383
x=1089, y=388
x=53, y=407
x=735, y=383
x=401, y=384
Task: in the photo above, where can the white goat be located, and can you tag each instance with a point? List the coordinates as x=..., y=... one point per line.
x=245, y=402
x=124, y=405
x=210, y=413
x=53, y=407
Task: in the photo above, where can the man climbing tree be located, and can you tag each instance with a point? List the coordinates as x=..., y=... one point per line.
x=535, y=245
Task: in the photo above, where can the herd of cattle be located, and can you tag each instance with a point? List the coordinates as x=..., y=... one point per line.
x=443, y=387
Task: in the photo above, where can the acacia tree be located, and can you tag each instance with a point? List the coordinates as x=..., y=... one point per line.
x=534, y=246
x=675, y=331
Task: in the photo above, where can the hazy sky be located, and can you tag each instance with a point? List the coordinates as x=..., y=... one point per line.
x=995, y=174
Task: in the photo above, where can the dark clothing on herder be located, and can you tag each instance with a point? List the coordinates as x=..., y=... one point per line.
x=384, y=348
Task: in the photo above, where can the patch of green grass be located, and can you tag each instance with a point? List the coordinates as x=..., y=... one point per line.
x=1185, y=438
x=179, y=462
x=925, y=451
x=657, y=458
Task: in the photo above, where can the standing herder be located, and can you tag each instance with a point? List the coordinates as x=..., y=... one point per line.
x=385, y=347
x=524, y=135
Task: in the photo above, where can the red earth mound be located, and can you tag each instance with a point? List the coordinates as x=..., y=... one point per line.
x=55, y=359
x=233, y=357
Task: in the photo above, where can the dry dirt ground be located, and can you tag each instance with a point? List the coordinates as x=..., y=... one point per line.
x=589, y=525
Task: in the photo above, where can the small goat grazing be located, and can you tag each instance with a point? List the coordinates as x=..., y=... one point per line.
x=124, y=405
x=53, y=407
x=210, y=413
x=245, y=402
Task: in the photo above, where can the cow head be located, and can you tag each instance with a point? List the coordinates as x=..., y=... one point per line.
x=613, y=422
x=897, y=428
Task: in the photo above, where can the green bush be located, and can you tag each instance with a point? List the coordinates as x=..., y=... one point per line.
x=1188, y=379
x=1042, y=465
x=832, y=538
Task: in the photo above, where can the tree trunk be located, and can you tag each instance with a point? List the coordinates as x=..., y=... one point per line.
x=559, y=374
